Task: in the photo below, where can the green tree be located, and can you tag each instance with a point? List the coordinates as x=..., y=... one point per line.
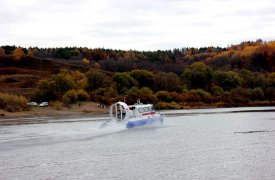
x=164, y=96
x=97, y=79
x=124, y=81
x=271, y=79
x=253, y=79
x=166, y=81
x=227, y=80
x=82, y=95
x=105, y=95
x=65, y=53
x=61, y=84
x=46, y=90
x=70, y=97
x=145, y=95
x=198, y=75
x=54, y=88
x=144, y=78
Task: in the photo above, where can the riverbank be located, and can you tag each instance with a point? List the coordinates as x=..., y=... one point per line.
x=88, y=109
x=92, y=108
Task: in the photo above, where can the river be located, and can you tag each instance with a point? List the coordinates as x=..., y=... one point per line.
x=225, y=143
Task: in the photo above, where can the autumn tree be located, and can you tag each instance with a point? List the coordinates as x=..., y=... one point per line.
x=30, y=52
x=85, y=61
x=130, y=55
x=2, y=51
x=96, y=55
x=262, y=58
x=220, y=61
x=18, y=53
x=79, y=79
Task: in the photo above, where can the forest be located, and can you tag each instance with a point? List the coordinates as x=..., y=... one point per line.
x=239, y=75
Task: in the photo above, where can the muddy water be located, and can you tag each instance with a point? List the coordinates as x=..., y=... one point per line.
x=233, y=143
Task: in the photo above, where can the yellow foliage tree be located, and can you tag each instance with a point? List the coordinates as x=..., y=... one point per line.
x=271, y=44
x=79, y=79
x=30, y=52
x=248, y=50
x=85, y=61
x=17, y=54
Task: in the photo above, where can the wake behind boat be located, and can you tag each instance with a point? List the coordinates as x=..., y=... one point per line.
x=132, y=116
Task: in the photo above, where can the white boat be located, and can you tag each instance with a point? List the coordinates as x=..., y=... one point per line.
x=136, y=115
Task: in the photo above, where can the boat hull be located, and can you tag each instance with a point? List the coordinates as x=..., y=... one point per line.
x=145, y=121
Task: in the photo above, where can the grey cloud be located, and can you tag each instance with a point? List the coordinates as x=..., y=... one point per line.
x=130, y=21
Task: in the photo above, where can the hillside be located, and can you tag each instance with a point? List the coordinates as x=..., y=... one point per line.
x=239, y=75
x=21, y=77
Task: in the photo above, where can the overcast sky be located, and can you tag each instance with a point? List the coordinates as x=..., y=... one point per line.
x=135, y=24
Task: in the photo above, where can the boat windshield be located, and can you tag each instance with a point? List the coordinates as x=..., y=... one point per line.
x=145, y=109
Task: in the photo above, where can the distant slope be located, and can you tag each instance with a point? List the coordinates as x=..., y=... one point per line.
x=21, y=77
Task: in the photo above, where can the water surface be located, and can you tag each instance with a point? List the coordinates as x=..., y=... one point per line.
x=228, y=143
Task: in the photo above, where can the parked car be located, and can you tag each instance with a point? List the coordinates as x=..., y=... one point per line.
x=43, y=104
x=32, y=103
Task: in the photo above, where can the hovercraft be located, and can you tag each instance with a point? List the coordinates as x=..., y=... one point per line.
x=133, y=116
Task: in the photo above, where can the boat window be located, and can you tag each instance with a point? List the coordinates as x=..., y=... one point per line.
x=147, y=109
x=141, y=110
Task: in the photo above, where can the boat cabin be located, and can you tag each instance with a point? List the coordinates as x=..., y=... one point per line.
x=140, y=109
x=121, y=111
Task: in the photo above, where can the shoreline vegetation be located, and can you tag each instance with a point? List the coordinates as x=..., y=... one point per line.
x=75, y=80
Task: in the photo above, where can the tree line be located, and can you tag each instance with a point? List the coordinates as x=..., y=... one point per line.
x=251, y=55
x=197, y=85
x=237, y=75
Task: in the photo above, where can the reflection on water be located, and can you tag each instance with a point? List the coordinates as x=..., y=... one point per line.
x=228, y=143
